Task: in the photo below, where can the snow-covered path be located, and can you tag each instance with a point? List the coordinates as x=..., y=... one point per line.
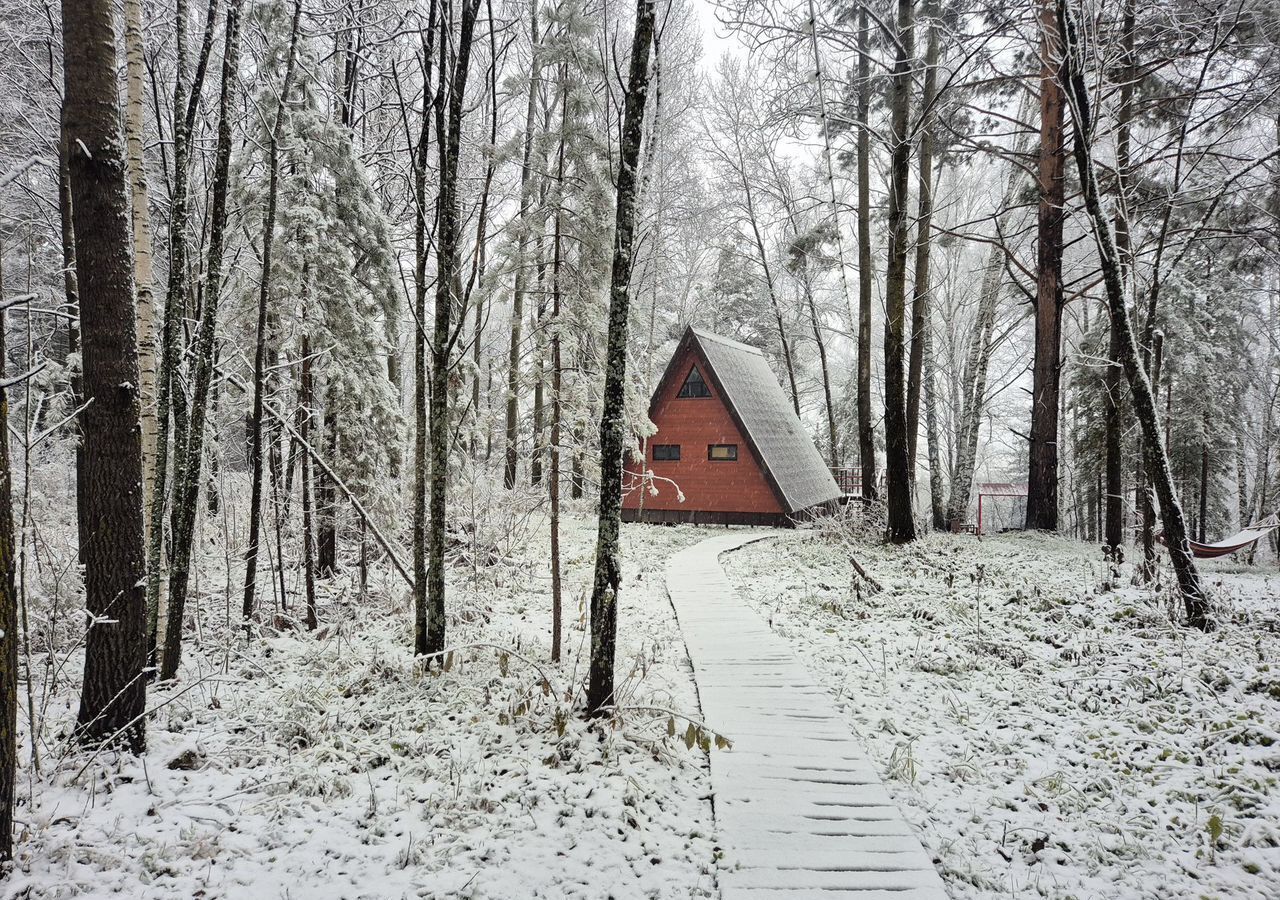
x=801, y=811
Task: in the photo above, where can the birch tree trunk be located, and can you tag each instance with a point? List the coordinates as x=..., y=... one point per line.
x=1175, y=528
x=113, y=698
x=833, y=448
x=608, y=569
x=974, y=387
x=142, y=268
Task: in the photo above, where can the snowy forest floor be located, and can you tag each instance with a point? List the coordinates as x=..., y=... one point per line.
x=1046, y=726
x=1047, y=733
x=329, y=765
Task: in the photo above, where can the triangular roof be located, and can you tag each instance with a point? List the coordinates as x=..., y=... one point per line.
x=761, y=410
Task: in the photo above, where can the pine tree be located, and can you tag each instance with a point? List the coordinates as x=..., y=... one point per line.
x=113, y=697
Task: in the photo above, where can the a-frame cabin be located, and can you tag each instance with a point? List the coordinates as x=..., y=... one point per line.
x=729, y=448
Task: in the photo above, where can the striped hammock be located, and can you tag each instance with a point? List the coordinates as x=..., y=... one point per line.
x=1249, y=536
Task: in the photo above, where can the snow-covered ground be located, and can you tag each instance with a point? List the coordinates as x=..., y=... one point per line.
x=1046, y=726
x=330, y=766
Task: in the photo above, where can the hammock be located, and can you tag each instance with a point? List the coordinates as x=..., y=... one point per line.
x=1236, y=542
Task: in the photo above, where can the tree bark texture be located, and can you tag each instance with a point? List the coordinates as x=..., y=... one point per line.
x=1042, y=466
x=113, y=697
x=141, y=221
x=608, y=569
x=901, y=527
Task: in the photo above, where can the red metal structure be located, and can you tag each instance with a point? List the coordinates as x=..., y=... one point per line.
x=997, y=489
x=729, y=448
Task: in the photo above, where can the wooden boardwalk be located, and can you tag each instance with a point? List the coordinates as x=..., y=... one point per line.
x=800, y=809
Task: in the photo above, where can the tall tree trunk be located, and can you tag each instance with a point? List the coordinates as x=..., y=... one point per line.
x=937, y=505
x=1042, y=466
x=1113, y=381
x=866, y=432
x=1113, y=514
x=557, y=588
x=260, y=345
x=113, y=698
x=420, y=346
x=538, y=448
x=974, y=383
x=1175, y=529
x=141, y=221
x=8, y=614
x=1147, y=571
x=527, y=189
x=71, y=293
x=168, y=408
x=1204, y=478
x=920, y=289
x=902, y=526
x=188, y=464
x=327, y=496
x=307, y=389
x=449, y=138
x=608, y=568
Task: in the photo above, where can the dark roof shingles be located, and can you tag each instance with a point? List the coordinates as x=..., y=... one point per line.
x=785, y=447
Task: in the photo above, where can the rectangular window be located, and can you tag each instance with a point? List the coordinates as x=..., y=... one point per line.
x=666, y=452
x=722, y=452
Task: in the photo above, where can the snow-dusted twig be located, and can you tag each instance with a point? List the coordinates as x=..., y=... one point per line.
x=12, y=175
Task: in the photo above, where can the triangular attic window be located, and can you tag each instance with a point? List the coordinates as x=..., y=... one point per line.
x=694, y=386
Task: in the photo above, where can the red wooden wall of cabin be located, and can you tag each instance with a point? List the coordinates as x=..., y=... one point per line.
x=708, y=485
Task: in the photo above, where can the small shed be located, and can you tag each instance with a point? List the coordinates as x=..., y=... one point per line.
x=729, y=448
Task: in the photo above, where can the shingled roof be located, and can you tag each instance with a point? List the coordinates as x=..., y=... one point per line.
x=766, y=417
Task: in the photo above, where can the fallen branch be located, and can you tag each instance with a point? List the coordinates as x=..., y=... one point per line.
x=863, y=574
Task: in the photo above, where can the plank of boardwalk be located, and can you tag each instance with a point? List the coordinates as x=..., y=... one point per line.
x=800, y=810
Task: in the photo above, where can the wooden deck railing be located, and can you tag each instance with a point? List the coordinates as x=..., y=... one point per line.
x=848, y=479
